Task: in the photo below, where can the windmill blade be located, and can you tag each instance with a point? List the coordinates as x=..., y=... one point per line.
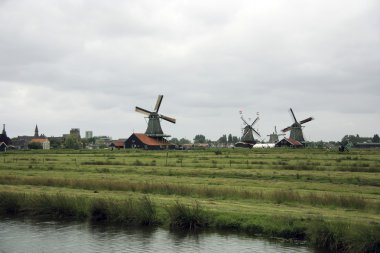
x=244, y=120
x=255, y=121
x=256, y=132
x=143, y=111
x=158, y=103
x=286, y=129
x=306, y=120
x=295, y=120
x=275, y=130
x=172, y=120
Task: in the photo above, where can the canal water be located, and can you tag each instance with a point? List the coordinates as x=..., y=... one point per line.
x=51, y=236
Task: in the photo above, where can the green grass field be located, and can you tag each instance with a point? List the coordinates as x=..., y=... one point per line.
x=330, y=199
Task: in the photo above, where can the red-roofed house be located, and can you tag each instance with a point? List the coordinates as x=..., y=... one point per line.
x=118, y=143
x=143, y=141
x=44, y=142
x=289, y=142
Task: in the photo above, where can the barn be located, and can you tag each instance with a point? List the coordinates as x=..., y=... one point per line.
x=143, y=141
x=289, y=142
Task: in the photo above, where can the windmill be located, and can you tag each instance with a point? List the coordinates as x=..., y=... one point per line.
x=296, y=128
x=248, y=131
x=154, y=125
x=273, y=137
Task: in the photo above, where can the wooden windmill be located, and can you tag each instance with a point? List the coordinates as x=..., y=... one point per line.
x=248, y=131
x=154, y=125
x=296, y=128
x=273, y=137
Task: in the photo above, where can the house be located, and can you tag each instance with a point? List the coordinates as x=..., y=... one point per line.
x=44, y=142
x=289, y=142
x=367, y=145
x=3, y=147
x=119, y=144
x=138, y=140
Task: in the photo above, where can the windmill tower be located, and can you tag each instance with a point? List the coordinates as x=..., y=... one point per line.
x=296, y=128
x=248, y=131
x=273, y=137
x=154, y=125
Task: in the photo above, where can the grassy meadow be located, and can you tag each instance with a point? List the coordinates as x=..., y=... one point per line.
x=328, y=198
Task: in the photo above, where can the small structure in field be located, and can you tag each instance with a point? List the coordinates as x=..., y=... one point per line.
x=139, y=140
x=289, y=142
x=119, y=144
x=264, y=145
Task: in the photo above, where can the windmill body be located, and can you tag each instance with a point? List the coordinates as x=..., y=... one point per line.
x=247, y=139
x=154, y=120
x=248, y=135
x=296, y=132
x=273, y=137
x=296, y=128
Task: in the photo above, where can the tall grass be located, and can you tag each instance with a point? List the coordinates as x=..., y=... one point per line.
x=141, y=211
x=344, y=237
x=277, y=196
x=186, y=217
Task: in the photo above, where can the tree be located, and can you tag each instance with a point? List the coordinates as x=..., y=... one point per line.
x=174, y=141
x=184, y=141
x=199, y=138
x=223, y=140
x=229, y=138
x=35, y=145
x=55, y=142
x=376, y=138
x=72, y=142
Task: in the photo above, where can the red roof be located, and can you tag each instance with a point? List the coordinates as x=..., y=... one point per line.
x=151, y=141
x=39, y=140
x=119, y=143
x=294, y=142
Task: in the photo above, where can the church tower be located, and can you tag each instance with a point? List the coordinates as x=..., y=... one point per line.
x=4, y=133
x=36, y=131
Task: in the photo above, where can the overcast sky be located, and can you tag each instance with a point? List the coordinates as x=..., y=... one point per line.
x=87, y=64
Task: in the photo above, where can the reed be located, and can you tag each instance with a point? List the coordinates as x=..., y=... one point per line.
x=186, y=217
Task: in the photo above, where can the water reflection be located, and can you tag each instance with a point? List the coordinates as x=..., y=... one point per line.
x=41, y=236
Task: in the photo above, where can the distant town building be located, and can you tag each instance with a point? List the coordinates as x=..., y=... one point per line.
x=103, y=141
x=22, y=142
x=44, y=142
x=75, y=131
x=89, y=134
x=4, y=138
x=36, y=132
